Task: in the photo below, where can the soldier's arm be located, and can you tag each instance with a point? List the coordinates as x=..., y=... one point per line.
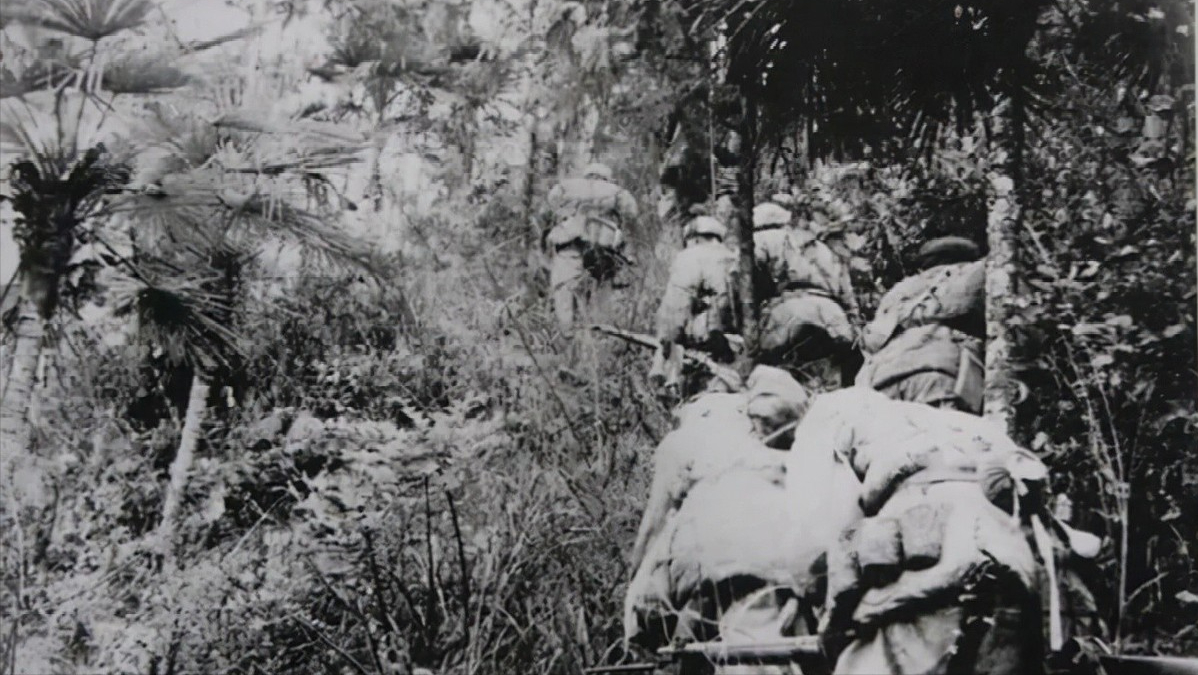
x=821, y=484
x=661, y=497
x=889, y=315
x=844, y=284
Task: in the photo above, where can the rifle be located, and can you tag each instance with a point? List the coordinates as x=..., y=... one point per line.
x=725, y=374
x=806, y=651
x=802, y=648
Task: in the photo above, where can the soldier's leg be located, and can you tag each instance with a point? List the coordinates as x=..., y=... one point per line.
x=564, y=278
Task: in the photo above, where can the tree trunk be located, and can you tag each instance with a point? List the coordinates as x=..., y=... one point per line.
x=197, y=404
x=15, y=433
x=1002, y=231
x=530, y=186
x=746, y=182
x=1000, y=268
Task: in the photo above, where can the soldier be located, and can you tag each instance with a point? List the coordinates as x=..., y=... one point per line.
x=925, y=516
x=699, y=305
x=807, y=315
x=587, y=237
x=925, y=342
x=709, y=557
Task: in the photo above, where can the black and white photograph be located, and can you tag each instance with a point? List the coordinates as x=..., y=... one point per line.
x=598, y=337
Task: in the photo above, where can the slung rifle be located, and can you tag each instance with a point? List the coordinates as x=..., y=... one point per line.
x=724, y=373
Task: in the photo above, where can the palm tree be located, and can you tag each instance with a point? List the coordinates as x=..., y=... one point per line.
x=65, y=173
x=187, y=314
x=188, y=186
x=210, y=202
x=56, y=188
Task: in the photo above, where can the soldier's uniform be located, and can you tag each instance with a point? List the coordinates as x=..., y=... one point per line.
x=806, y=317
x=587, y=235
x=715, y=510
x=699, y=305
x=926, y=340
x=928, y=570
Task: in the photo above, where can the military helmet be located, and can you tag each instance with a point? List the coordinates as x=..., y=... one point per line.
x=597, y=170
x=769, y=214
x=947, y=251
x=705, y=226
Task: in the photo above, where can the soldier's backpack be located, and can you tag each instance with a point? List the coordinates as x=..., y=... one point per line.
x=929, y=349
x=953, y=295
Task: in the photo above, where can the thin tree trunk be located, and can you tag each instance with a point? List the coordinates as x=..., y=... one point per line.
x=530, y=186
x=197, y=404
x=746, y=182
x=18, y=390
x=1002, y=228
x=1000, y=270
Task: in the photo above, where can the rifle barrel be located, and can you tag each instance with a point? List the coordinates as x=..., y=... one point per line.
x=808, y=645
x=626, y=668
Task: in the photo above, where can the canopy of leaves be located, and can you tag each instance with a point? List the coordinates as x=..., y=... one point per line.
x=866, y=70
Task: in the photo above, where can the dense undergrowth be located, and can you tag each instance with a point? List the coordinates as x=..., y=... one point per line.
x=419, y=471
x=457, y=490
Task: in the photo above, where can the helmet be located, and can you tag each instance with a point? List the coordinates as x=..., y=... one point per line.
x=597, y=170
x=946, y=251
x=775, y=398
x=769, y=215
x=705, y=226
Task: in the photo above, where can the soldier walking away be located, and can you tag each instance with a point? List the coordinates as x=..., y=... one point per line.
x=587, y=237
x=925, y=342
x=698, y=308
x=808, y=295
x=936, y=527
x=710, y=560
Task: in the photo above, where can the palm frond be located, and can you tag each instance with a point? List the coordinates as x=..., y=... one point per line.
x=41, y=75
x=173, y=143
x=260, y=214
x=51, y=141
x=871, y=70
x=210, y=181
x=91, y=19
x=200, y=205
x=180, y=312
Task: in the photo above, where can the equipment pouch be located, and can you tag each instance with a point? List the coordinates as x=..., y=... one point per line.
x=921, y=529
x=603, y=233
x=879, y=551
